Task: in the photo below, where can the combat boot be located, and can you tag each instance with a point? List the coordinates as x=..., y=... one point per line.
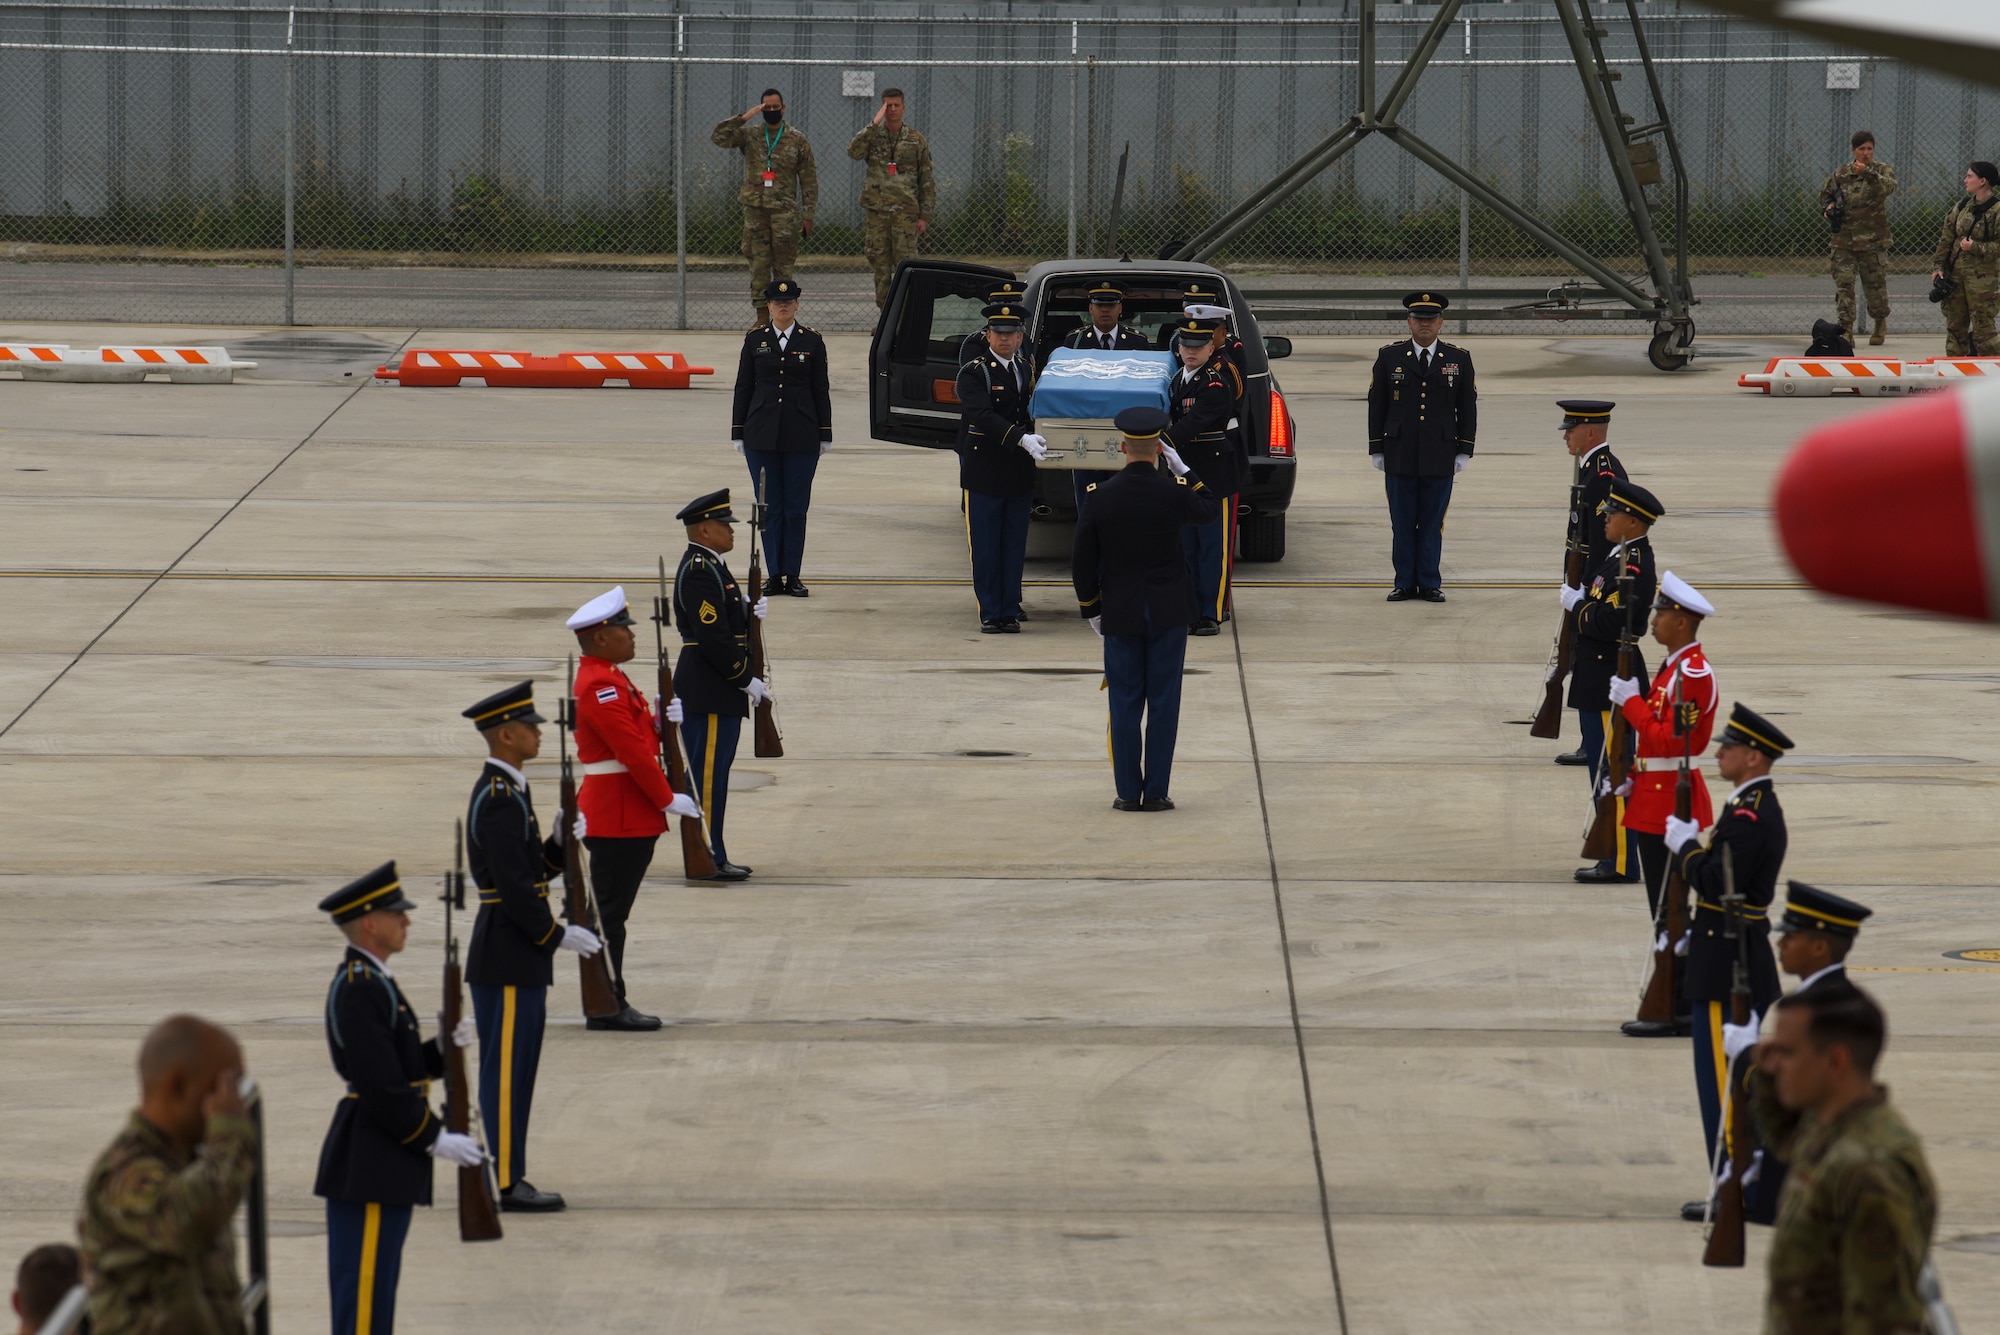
x=763, y=316
x=1880, y=332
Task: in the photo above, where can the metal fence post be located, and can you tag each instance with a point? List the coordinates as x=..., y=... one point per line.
x=1072, y=138
x=680, y=174
x=291, y=161
x=1465, y=156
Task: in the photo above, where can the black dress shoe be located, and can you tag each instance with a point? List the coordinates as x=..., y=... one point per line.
x=796, y=588
x=1123, y=804
x=1431, y=595
x=1576, y=757
x=725, y=871
x=989, y=628
x=1157, y=804
x=627, y=1021
x=1400, y=595
x=1207, y=626
x=1651, y=1029
x=1010, y=625
x=774, y=585
x=1695, y=1212
x=522, y=1196
x=1600, y=875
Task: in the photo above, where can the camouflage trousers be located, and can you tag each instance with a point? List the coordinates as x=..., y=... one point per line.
x=1873, y=270
x=771, y=244
x=1968, y=317
x=889, y=237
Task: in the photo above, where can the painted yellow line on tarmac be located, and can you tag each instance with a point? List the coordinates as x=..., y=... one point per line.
x=346, y=577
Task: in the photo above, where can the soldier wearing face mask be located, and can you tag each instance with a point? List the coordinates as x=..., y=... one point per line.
x=780, y=190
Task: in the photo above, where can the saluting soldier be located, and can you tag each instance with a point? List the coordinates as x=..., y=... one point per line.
x=997, y=453
x=1860, y=245
x=1204, y=396
x=1007, y=292
x=1747, y=850
x=375, y=1166
x=1131, y=585
x=509, y=962
x=900, y=193
x=625, y=798
x=1422, y=422
x=783, y=422
x=1602, y=611
x=1585, y=425
x=713, y=688
x=779, y=193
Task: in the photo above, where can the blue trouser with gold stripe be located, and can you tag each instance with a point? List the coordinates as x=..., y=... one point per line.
x=364, y=1259
x=1210, y=550
x=1711, y=1069
x=1595, y=724
x=510, y=1022
x=1142, y=673
x=711, y=746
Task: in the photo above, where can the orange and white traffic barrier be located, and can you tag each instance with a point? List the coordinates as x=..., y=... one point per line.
x=1820, y=377
x=524, y=370
x=120, y=365
x=1953, y=368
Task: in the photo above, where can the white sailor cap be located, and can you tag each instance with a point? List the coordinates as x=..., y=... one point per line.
x=604, y=608
x=1676, y=592
x=1201, y=312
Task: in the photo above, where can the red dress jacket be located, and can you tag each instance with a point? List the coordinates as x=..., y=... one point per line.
x=1687, y=675
x=625, y=793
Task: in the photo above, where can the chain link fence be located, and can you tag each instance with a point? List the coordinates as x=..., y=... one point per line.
x=548, y=164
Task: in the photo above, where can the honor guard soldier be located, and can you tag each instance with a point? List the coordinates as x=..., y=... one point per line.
x=900, y=192
x=783, y=423
x=997, y=453
x=1204, y=396
x=1005, y=293
x=1106, y=331
x=1746, y=851
x=1202, y=300
x=713, y=689
x=1422, y=421
x=625, y=798
x=1585, y=424
x=375, y=1166
x=779, y=176
x=509, y=962
x=1131, y=584
x=1602, y=612
x=158, y=1251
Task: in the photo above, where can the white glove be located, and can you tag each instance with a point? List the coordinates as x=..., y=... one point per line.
x=684, y=806
x=1174, y=462
x=1036, y=446
x=825, y=445
x=1681, y=833
x=1571, y=596
x=1377, y=460
x=1756, y=1168
x=675, y=712
x=1737, y=1037
x=1681, y=946
x=582, y=940
x=1604, y=786
x=1659, y=943
x=462, y=1150
x=1458, y=463
x=739, y=447
x=757, y=691
x=582, y=826
x=465, y=1033
x=1097, y=624
x=761, y=608
x=1623, y=689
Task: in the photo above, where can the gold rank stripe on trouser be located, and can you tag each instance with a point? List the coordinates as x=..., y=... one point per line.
x=511, y=1021
x=1711, y=1071
x=364, y=1254
x=1622, y=861
x=711, y=742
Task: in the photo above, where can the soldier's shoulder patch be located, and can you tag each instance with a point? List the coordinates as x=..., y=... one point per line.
x=1091, y=487
x=1180, y=482
x=707, y=613
x=1746, y=813
x=606, y=694
x=1697, y=670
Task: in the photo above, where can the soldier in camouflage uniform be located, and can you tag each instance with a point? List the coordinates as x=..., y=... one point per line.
x=1861, y=246
x=1859, y=1207
x=159, y=1255
x=780, y=191
x=900, y=192
x=1970, y=244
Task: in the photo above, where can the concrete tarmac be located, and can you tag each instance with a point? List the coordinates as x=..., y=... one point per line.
x=1331, y=1047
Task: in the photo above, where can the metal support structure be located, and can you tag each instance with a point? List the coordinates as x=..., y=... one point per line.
x=680, y=93
x=1465, y=150
x=291, y=161
x=1072, y=138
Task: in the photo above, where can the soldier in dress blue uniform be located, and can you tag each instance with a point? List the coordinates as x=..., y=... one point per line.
x=1422, y=421
x=1004, y=293
x=1585, y=424
x=376, y=1163
x=1750, y=833
x=1105, y=332
x=1601, y=616
x=1132, y=586
x=712, y=675
x=997, y=452
x=783, y=423
x=509, y=964
x=1205, y=397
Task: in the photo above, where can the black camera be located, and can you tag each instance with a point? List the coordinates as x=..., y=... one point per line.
x=1942, y=287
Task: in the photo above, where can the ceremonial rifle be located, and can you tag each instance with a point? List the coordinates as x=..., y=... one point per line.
x=600, y=998
x=697, y=860
x=1656, y=1005
x=769, y=741
x=1548, y=719
x=1601, y=841
x=1726, y=1218
x=478, y=1210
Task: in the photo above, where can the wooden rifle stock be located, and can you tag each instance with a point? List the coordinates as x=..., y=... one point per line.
x=1602, y=840
x=600, y=998
x=697, y=859
x=478, y=1210
x=1726, y=1227
x=768, y=742
x=1562, y=654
